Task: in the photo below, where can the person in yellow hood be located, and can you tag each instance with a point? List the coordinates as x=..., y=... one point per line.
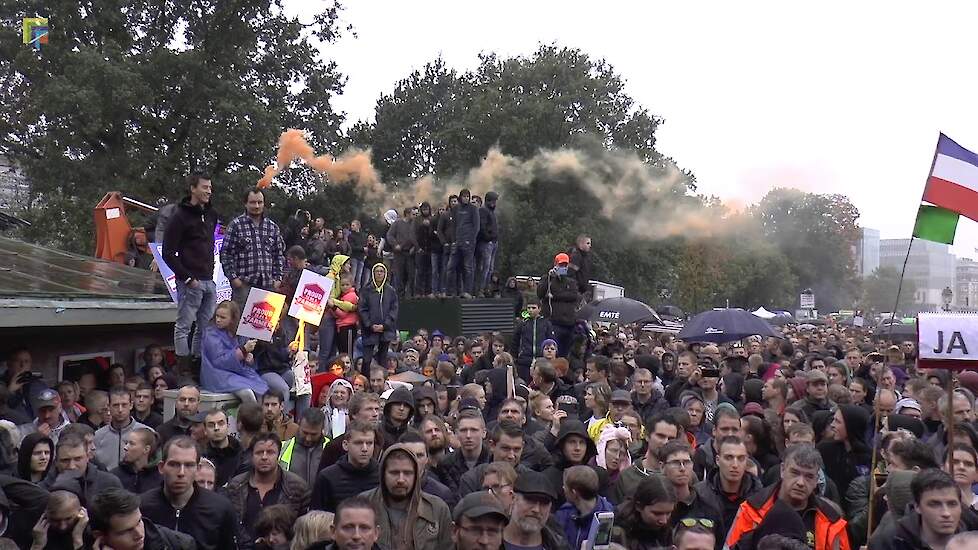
x=327, y=327
x=378, y=317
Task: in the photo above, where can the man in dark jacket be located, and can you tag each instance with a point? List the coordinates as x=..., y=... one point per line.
x=358, y=251
x=580, y=264
x=266, y=485
x=529, y=524
x=21, y=505
x=188, y=249
x=223, y=449
x=186, y=407
x=378, y=307
x=473, y=449
x=302, y=454
x=73, y=472
x=572, y=448
x=560, y=297
x=354, y=473
x=936, y=516
x=487, y=242
x=731, y=484
x=116, y=522
x=466, y=224
x=424, y=240
x=400, y=241
x=182, y=506
x=527, y=341
x=445, y=231
x=397, y=415
x=137, y=471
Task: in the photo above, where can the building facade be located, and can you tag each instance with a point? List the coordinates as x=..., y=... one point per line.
x=931, y=267
x=867, y=251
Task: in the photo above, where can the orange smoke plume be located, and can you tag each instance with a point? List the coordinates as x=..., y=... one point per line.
x=353, y=166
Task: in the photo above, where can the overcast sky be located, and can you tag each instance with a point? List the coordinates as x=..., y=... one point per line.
x=843, y=97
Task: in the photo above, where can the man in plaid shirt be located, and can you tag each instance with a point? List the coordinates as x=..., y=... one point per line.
x=253, y=254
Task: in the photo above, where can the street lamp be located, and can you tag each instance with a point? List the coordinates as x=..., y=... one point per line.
x=947, y=294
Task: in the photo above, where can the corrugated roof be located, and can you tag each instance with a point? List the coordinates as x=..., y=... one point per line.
x=32, y=271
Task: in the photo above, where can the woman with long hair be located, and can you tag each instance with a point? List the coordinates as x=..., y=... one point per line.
x=227, y=362
x=315, y=526
x=760, y=446
x=35, y=457
x=643, y=520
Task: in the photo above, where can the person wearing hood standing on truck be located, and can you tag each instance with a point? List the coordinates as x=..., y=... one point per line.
x=253, y=252
x=559, y=296
x=466, y=220
x=188, y=248
x=378, y=318
x=400, y=242
x=487, y=243
x=339, y=266
x=425, y=240
x=580, y=264
x=405, y=513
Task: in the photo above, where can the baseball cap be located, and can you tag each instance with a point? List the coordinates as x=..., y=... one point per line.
x=478, y=504
x=47, y=398
x=816, y=375
x=621, y=396
x=561, y=259
x=531, y=483
x=468, y=403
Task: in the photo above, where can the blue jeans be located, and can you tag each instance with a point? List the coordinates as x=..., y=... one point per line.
x=284, y=384
x=327, y=341
x=486, y=259
x=193, y=305
x=464, y=253
x=437, y=263
x=356, y=268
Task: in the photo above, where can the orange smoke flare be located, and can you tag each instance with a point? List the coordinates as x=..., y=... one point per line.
x=354, y=166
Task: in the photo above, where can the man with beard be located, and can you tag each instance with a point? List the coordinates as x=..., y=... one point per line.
x=397, y=415
x=479, y=522
x=528, y=525
x=135, y=471
x=63, y=524
x=404, y=511
x=414, y=442
x=222, y=449
x=266, y=485
x=472, y=451
x=433, y=429
x=353, y=473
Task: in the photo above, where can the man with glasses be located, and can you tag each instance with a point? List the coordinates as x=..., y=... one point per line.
x=676, y=463
x=527, y=528
x=822, y=519
x=478, y=522
x=499, y=480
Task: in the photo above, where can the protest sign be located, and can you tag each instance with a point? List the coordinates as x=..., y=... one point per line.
x=261, y=314
x=311, y=295
x=947, y=340
x=220, y=281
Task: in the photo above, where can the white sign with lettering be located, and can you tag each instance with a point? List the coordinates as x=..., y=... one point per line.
x=944, y=336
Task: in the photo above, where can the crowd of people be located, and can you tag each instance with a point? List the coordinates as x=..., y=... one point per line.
x=825, y=438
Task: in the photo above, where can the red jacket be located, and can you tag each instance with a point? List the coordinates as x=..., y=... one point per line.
x=347, y=318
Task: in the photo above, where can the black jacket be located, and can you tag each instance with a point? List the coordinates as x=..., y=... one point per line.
x=559, y=297
x=227, y=461
x=171, y=428
x=391, y=432
x=527, y=342
x=153, y=419
x=188, y=244
x=294, y=494
x=555, y=473
x=844, y=465
x=711, y=493
x=357, y=240
x=342, y=480
x=207, y=517
x=155, y=538
x=580, y=264
x=378, y=307
x=424, y=233
x=445, y=229
x=905, y=534
x=138, y=481
x=451, y=469
x=22, y=503
x=86, y=486
x=466, y=218
x=488, y=227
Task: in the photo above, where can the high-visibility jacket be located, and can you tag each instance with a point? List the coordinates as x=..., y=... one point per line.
x=285, y=458
x=830, y=526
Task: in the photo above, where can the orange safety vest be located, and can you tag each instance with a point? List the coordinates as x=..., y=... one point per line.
x=829, y=535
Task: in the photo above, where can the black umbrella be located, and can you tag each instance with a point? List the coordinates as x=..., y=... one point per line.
x=624, y=311
x=897, y=330
x=725, y=325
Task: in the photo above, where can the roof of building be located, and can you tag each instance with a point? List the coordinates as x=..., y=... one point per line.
x=42, y=286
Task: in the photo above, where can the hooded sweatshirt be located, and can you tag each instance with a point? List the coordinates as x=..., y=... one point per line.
x=391, y=432
x=843, y=465
x=555, y=473
x=426, y=522
x=378, y=306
